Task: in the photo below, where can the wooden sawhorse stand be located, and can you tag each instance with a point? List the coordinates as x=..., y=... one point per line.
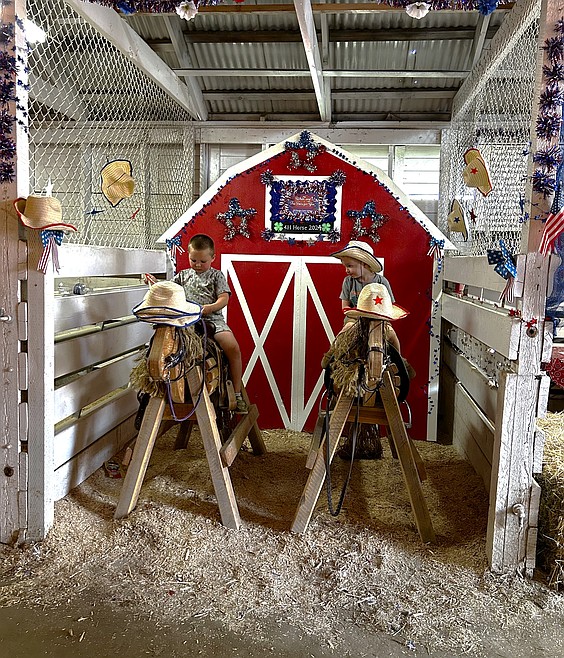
x=219, y=456
x=388, y=414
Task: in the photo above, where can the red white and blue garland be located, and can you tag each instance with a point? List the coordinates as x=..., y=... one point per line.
x=549, y=118
x=10, y=60
x=235, y=210
x=311, y=148
x=377, y=220
x=128, y=7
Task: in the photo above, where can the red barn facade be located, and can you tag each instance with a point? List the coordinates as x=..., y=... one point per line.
x=276, y=218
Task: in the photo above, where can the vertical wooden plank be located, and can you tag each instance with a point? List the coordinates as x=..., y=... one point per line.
x=532, y=531
x=41, y=363
x=22, y=490
x=10, y=528
x=512, y=468
x=407, y=461
x=497, y=516
x=205, y=413
x=141, y=457
x=316, y=477
x=513, y=503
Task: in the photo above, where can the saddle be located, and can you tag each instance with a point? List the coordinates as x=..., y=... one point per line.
x=348, y=364
x=171, y=353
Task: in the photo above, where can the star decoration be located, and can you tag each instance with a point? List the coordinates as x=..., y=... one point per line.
x=376, y=221
x=378, y=300
x=473, y=216
x=235, y=210
x=311, y=148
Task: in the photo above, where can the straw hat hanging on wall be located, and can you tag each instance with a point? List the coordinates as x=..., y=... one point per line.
x=41, y=212
x=117, y=181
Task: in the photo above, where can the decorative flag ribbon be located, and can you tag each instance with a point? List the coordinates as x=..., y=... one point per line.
x=173, y=245
x=50, y=239
x=436, y=247
x=505, y=267
x=555, y=220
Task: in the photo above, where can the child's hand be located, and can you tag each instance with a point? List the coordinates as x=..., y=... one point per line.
x=206, y=309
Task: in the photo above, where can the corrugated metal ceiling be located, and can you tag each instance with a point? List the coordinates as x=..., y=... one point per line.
x=413, y=58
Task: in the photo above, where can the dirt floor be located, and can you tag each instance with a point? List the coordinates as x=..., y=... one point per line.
x=171, y=580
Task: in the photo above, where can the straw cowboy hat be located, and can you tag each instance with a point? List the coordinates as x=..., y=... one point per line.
x=117, y=182
x=374, y=302
x=360, y=251
x=165, y=303
x=456, y=219
x=476, y=173
x=41, y=212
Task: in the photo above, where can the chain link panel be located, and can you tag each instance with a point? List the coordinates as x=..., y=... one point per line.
x=493, y=114
x=89, y=105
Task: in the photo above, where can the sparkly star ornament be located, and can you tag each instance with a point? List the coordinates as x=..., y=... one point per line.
x=236, y=211
x=312, y=149
x=377, y=220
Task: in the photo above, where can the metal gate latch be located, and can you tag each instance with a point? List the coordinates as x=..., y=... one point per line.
x=4, y=317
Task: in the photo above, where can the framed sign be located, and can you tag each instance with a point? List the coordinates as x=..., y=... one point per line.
x=303, y=208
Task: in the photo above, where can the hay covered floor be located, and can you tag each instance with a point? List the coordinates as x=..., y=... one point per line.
x=361, y=574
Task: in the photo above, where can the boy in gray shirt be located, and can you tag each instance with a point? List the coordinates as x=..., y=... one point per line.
x=208, y=287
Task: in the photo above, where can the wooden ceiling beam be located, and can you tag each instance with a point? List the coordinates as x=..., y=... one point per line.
x=313, y=56
x=301, y=73
x=177, y=39
x=479, y=40
x=107, y=23
x=335, y=36
x=349, y=94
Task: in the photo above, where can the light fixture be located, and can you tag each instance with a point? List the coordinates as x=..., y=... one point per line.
x=418, y=10
x=33, y=33
x=187, y=10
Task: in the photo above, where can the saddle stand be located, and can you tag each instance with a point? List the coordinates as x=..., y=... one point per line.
x=385, y=412
x=219, y=455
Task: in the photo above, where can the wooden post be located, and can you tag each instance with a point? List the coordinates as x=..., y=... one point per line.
x=144, y=445
x=205, y=413
x=316, y=477
x=513, y=514
x=13, y=325
x=407, y=461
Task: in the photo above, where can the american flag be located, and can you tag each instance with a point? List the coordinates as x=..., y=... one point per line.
x=555, y=220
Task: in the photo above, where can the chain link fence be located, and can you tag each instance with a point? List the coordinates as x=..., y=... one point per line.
x=492, y=113
x=88, y=105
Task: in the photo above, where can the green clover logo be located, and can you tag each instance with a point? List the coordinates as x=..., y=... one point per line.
x=278, y=226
